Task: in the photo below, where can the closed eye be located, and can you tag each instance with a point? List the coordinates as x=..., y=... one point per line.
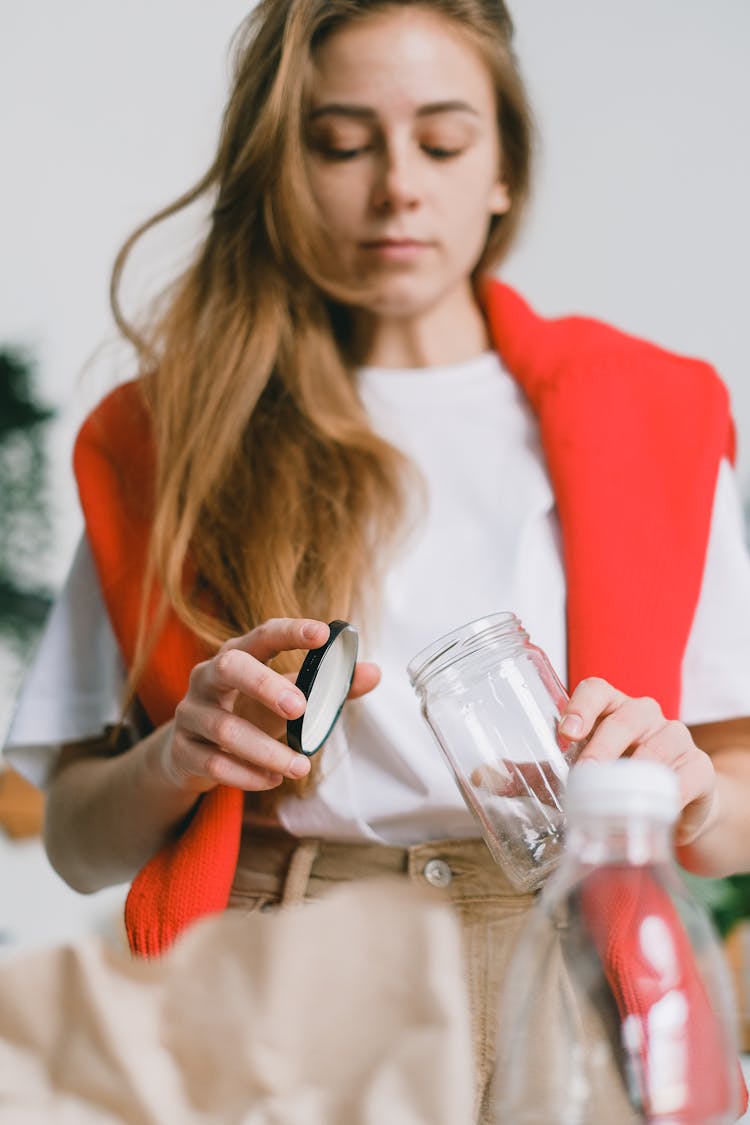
x=438, y=153
x=434, y=151
x=344, y=153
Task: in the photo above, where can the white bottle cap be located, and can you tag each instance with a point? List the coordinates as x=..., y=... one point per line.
x=626, y=787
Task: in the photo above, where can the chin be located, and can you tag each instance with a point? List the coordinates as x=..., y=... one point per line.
x=402, y=303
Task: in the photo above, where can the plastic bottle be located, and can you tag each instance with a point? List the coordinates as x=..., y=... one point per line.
x=618, y=1006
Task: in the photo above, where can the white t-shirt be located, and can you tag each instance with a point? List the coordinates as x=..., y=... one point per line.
x=489, y=542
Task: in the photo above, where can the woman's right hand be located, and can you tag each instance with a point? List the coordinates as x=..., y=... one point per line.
x=227, y=728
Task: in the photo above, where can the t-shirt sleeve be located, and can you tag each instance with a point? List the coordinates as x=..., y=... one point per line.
x=75, y=685
x=716, y=665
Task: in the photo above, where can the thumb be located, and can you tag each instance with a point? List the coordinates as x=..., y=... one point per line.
x=366, y=677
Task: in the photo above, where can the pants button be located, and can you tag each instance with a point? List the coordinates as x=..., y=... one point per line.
x=437, y=873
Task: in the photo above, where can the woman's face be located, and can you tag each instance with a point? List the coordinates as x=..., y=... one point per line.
x=404, y=158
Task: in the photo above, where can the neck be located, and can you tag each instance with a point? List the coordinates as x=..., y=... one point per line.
x=452, y=331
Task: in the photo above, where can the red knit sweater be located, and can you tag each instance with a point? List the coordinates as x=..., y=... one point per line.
x=633, y=438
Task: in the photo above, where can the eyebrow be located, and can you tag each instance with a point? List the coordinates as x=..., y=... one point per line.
x=364, y=113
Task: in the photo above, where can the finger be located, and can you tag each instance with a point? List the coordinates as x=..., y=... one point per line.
x=592, y=698
x=695, y=817
x=623, y=729
x=672, y=744
x=260, y=716
x=674, y=747
x=282, y=634
x=366, y=677
x=241, y=739
x=233, y=670
x=697, y=780
x=200, y=759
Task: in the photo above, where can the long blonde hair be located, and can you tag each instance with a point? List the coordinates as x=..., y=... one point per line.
x=270, y=479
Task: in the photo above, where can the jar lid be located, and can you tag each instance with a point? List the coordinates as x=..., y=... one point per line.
x=625, y=787
x=324, y=678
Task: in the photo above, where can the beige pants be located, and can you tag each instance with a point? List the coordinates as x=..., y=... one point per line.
x=275, y=871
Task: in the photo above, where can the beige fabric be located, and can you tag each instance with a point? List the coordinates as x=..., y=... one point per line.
x=490, y=911
x=374, y=1003
x=349, y=1011
x=491, y=914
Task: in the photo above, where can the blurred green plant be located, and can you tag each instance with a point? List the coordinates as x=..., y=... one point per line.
x=25, y=529
x=727, y=900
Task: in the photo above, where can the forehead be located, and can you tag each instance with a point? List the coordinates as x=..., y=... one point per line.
x=400, y=59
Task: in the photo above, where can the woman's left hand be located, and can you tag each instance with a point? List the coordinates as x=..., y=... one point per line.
x=618, y=725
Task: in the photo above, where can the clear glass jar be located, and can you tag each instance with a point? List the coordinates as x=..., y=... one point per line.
x=617, y=1004
x=492, y=700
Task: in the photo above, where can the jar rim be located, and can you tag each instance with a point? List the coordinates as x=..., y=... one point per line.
x=462, y=641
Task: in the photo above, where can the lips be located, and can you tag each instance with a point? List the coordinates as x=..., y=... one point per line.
x=378, y=243
x=398, y=250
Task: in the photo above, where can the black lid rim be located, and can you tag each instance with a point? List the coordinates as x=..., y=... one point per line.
x=306, y=678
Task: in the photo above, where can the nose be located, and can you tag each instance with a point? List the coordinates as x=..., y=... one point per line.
x=396, y=186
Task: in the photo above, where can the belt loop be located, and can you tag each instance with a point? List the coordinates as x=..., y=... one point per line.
x=298, y=873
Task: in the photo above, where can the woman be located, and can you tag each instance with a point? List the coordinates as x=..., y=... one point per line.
x=340, y=415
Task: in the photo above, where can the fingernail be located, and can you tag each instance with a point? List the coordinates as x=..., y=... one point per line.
x=299, y=767
x=292, y=703
x=572, y=726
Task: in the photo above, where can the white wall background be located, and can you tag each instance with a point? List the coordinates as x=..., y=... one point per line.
x=641, y=214
x=109, y=109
